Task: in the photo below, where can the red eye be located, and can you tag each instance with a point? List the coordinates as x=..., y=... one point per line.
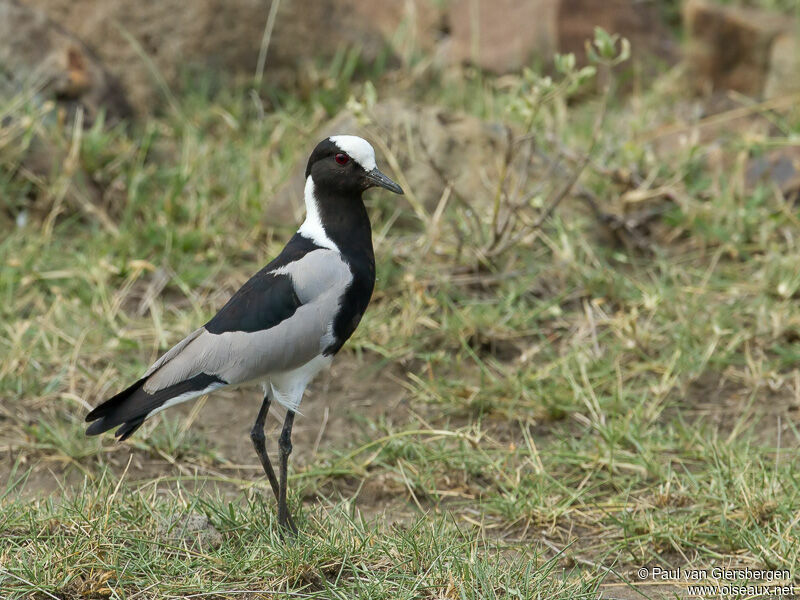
x=342, y=158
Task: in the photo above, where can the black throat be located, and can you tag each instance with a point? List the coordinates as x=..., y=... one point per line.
x=346, y=223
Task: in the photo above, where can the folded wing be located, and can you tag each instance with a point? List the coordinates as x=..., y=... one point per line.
x=279, y=320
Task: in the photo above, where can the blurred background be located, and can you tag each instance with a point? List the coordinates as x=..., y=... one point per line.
x=581, y=356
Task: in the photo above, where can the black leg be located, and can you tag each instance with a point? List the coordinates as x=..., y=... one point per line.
x=285, y=446
x=257, y=435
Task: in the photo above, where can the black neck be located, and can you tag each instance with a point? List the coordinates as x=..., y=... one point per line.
x=345, y=221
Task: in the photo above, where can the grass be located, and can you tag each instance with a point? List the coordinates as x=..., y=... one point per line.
x=101, y=529
x=541, y=420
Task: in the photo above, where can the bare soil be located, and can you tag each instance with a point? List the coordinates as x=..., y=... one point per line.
x=338, y=412
x=335, y=412
x=731, y=408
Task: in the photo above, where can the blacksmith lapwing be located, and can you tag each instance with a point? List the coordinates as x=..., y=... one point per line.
x=287, y=322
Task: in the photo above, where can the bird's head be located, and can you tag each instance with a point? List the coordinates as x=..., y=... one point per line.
x=346, y=163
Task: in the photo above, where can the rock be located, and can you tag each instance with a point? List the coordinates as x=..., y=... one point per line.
x=729, y=48
x=151, y=40
x=142, y=41
x=783, y=78
x=406, y=25
x=779, y=167
x=466, y=151
x=48, y=74
x=641, y=22
x=192, y=529
x=503, y=35
x=137, y=38
x=38, y=54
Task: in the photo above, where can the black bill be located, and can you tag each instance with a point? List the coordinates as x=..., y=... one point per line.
x=375, y=177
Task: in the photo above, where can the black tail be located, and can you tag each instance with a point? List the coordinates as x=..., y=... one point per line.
x=132, y=406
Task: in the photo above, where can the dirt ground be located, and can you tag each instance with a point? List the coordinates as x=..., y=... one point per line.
x=334, y=413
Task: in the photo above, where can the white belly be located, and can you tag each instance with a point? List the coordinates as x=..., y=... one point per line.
x=287, y=388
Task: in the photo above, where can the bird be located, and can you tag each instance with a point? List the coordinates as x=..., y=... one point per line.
x=286, y=323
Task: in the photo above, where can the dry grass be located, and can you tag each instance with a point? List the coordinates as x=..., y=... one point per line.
x=531, y=410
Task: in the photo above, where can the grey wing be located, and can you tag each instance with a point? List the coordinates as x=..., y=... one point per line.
x=319, y=280
x=173, y=352
x=281, y=319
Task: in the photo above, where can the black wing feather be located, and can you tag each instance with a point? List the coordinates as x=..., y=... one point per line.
x=130, y=407
x=267, y=298
x=263, y=302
